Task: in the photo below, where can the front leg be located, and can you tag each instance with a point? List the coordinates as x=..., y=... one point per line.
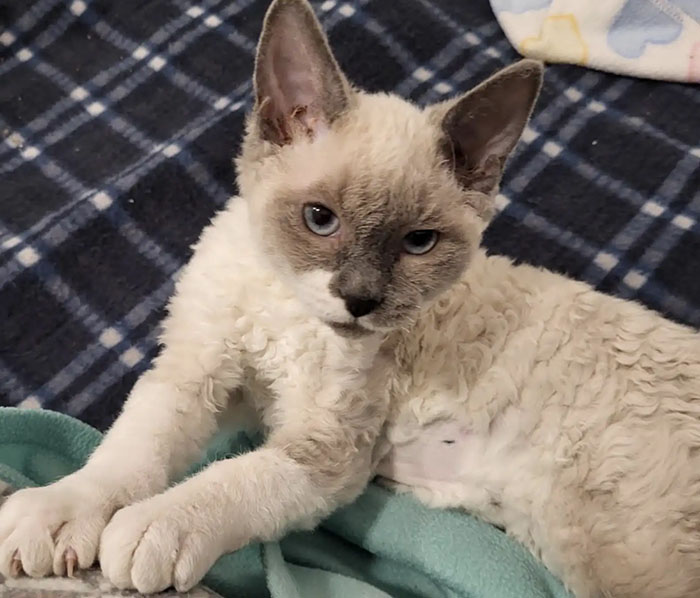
x=167, y=420
x=305, y=470
x=163, y=428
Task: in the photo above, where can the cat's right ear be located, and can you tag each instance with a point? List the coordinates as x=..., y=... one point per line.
x=299, y=87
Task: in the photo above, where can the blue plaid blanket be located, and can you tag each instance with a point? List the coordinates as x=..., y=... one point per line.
x=119, y=119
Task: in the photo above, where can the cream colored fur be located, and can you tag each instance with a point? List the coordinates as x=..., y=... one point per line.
x=569, y=417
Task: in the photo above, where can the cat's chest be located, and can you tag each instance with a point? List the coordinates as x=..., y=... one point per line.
x=295, y=365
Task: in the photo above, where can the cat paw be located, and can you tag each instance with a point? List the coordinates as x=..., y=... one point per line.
x=156, y=544
x=55, y=529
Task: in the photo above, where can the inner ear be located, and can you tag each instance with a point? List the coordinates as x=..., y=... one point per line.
x=482, y=127
x=300, y=90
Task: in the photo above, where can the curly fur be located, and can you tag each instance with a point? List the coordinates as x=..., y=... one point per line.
x=580, y=427
x=566, y=416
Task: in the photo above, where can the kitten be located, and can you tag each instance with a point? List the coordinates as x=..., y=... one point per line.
x=343, y=302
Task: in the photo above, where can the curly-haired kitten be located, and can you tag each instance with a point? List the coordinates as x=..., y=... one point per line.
x=344, y=302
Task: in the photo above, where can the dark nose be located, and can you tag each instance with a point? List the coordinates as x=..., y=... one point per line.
x=361, y=306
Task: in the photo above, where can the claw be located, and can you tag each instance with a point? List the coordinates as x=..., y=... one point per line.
x=71, y=559
x=16, y=565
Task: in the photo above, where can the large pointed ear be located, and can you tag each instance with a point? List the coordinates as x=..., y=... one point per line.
x=299, y=87
x=482, y=127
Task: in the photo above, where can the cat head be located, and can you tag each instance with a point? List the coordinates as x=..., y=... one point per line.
x=367, y=205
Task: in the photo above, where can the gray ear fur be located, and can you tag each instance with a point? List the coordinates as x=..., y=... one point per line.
x=299, y=87
x=482, y=127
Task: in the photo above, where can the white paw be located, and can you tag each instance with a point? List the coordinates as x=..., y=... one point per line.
x=158, y=543
x=52, y=529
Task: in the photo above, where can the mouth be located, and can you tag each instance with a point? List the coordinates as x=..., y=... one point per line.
x=349, y=329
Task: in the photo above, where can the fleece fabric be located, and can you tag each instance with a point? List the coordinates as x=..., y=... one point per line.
x=381, y=546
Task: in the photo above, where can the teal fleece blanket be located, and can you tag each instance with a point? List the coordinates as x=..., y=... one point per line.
x=383, y=545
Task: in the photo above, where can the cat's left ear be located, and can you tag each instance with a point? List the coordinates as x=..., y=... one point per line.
x=299, y=87
x=482, y=127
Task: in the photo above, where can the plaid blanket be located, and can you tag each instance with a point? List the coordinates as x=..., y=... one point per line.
x=119, y=118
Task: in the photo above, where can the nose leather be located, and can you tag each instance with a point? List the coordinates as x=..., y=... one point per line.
x=361, y=306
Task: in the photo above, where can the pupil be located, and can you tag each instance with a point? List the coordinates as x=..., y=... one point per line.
x=321, y=216
x=420, y=237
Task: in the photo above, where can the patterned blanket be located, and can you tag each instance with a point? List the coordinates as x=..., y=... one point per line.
x=658, y=39
x=119, y=118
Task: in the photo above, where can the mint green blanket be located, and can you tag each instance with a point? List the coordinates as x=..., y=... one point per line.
x=381, y=546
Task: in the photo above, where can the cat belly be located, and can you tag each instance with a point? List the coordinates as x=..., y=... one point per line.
x=497, y=476
x=599, y=517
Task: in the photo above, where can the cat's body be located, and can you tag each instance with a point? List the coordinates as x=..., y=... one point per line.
x=530, y=399
x=574, y=424
x=342, y=305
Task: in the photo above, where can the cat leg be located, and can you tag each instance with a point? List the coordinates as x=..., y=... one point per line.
x=162, y=429
x=305, y=470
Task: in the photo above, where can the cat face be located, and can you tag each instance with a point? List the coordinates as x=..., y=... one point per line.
x=368, y=206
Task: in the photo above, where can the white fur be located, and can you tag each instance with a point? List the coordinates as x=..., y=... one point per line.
x=313, y=290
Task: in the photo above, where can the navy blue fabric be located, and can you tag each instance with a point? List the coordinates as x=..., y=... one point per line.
x=119, y=119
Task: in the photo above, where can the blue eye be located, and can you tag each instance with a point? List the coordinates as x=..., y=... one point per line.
x=320, y=220
x=419, y=242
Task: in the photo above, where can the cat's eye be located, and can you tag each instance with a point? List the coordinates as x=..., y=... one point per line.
x=320, y=220
x=419, y=242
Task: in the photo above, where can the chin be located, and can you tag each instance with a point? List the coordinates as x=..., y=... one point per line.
x=386, y=324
